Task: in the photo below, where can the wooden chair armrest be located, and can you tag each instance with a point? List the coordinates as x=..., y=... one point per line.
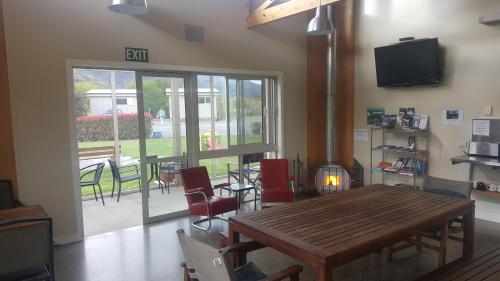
x=293, y=272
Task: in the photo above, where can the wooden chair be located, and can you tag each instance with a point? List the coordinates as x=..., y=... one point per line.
x=206, y=263
x=96, y=171
x=120, y=177
x=451, y=188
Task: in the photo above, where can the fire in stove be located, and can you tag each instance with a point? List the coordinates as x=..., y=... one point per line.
x=332, y=178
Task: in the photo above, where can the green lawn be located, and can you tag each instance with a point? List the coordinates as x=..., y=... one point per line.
x=162, y=147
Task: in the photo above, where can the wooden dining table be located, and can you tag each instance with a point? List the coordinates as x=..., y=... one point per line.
x=331, y=230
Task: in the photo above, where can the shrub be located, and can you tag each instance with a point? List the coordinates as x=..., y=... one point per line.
x=100, y=127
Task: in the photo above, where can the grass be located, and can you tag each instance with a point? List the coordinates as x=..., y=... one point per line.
x=163, y=148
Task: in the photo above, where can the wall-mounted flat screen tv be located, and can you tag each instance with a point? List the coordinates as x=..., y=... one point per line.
x=408, y=63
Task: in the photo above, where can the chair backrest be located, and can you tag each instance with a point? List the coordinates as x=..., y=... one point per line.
x=114, y=169
x=452, y=188
x=274, y=173
x=208, y=262
x=98, y=172
x=196, y=177
x=252, y=158
x=6, y=195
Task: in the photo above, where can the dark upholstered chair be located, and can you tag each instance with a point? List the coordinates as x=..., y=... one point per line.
x=26, y=249
x=7, y=199
x=201, y=199
x=123, y=174
x=96, y=171
x=445, y=187
x=275, y=182
x=206, y=263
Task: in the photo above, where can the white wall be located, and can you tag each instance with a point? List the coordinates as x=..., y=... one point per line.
x=42, y=34
x=471, y=75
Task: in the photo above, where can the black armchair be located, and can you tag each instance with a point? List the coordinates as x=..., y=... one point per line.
x=7, y=199
x=119, y=177
x=27, y=249
x=96, y=170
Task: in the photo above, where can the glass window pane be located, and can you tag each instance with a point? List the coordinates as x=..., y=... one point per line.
x=165, y=116
x=212, y=112
x=252, y=113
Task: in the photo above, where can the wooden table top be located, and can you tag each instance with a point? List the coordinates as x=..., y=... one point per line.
x=335, y=228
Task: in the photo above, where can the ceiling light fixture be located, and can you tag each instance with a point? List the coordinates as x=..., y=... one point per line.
x=320, y=24
x=129, y=7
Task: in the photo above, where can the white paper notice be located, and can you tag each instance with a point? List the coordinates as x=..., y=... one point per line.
x=452, y=117
x=360, y=134
x=481, y=128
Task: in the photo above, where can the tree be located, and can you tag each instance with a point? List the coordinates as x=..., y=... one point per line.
x=82, y=102
x=154, y=95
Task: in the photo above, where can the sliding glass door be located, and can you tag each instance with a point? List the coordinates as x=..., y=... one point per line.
x=163, y=102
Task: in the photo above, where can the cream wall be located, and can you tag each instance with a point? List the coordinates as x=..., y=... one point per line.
x=471, y=75
x=42, y=34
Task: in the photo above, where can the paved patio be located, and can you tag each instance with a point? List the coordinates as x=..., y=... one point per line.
x=127, y=213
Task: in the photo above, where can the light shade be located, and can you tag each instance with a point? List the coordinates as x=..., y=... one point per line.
x=320, y=24
x=129, y=7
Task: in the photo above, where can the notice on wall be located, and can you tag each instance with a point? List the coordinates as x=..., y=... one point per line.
x=360, y=134
x=481, y=128
x=452, y=117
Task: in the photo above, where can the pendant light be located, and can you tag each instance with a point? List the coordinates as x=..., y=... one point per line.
x=129, y=7
x=320, y=24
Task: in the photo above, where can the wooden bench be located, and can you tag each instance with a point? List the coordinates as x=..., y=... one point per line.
x=486, y=267
x=97, y=152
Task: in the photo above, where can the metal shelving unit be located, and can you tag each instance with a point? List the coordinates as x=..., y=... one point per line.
x=418, y=154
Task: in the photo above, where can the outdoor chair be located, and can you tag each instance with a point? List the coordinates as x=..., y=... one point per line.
x=26, y=248
x=206, y=263
x=249, y=173
x=451, y=188
x=7, y=200
x=276, y=184
x=96, y=171
x=201, y=199
x=168, y=172
x=122, y=175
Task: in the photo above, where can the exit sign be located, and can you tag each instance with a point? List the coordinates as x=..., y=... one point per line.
x=136, y=54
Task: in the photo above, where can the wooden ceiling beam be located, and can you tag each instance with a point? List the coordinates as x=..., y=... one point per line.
x=263, y=15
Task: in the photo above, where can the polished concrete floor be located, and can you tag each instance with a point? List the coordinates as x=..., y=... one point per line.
x=152, y=252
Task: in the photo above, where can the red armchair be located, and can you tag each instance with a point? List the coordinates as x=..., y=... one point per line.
x=201, y=199
x=277, y=186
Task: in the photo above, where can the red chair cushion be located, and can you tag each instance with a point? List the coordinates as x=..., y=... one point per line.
x=277, y=196
x=218, y=205
x=196, y=177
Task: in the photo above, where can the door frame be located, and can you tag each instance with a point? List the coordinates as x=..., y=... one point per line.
x=136, y=66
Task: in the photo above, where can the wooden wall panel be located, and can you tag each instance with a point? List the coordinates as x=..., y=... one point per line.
x=7, y=160
x=316, y=87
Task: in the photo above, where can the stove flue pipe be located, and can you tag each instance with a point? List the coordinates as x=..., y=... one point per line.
x=331, y=90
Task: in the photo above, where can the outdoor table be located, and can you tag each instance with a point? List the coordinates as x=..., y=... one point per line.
x=328, y=231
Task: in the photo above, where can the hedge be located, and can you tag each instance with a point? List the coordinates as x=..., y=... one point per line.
x=100, y=127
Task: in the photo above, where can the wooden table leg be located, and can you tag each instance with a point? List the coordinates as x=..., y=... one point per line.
x=468, y=224
x=324, y=272
x=443, y=244
x=234, y=238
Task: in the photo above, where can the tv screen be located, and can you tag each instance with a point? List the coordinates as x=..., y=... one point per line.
x=408, y=63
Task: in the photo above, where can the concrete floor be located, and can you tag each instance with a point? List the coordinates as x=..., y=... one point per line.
x=151, y=252
x=98, y=219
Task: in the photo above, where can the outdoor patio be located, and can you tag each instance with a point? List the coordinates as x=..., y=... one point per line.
x=128, y=212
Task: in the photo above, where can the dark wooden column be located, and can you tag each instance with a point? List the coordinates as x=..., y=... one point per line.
x=7, y=160
x=316, y=92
